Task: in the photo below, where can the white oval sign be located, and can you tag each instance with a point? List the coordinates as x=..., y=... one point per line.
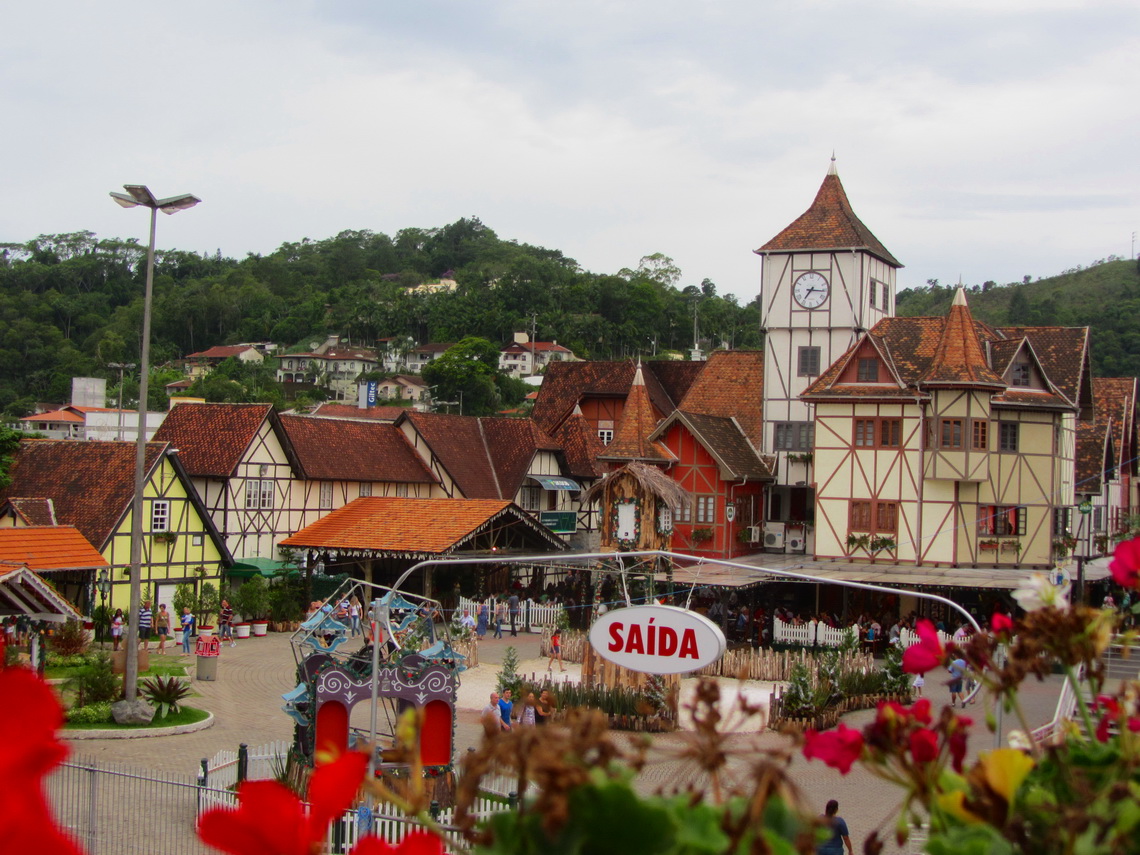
x=657, y=639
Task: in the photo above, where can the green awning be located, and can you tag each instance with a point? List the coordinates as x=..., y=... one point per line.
x=244, y=568
x=555, y=482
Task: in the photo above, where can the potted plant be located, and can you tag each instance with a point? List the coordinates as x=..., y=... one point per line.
x=989, y=545
x=858, y=541
x=167, y=537
x=252, y=601
x=700, y=535
x=208, y=604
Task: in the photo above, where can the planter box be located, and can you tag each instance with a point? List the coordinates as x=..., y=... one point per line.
x=259, y=628
x=205, y=630
x=241, y=630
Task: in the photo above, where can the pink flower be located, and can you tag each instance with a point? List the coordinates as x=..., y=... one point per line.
x=927, y=654
x=1125, y=564
x=1002, y=624
x=838, y=748
x=923, y=745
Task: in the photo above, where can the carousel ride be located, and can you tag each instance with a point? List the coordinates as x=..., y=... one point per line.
x=353, y=685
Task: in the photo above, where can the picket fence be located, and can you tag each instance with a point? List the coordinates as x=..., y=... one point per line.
x=818, y=634
x=538, y=615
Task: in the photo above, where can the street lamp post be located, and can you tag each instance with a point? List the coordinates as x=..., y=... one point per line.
x=138, y=195
x=103, y=586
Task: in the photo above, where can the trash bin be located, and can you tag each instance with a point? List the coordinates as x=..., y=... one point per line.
x=208, y=649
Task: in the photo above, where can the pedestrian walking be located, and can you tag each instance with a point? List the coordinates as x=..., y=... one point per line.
x=556, y=650
x=957, y=670
x=505, y=708
x=187, y=629
x=146, y=621
x=162, y=625
x=481, y=624
x=226, y=623
x=354, y=615
x=500, y=617
x=840, y=836
x=116, y=628
x=513, y=608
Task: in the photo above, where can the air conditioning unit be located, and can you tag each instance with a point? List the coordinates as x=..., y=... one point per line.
x=752, y=534
x=795, y=542
x=773, y=535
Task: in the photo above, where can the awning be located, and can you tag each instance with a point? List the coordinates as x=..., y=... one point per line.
x=23, y=592
x=246, y=567
x=555, y=482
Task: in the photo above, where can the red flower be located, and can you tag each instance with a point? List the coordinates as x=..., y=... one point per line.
x=927, y=654
x=921, y=711
x=416, y=843
x=1125, y=564
x=30, y=715
x=1002, y=624
x=956, y=742
x=837, y=748
x=923, y=745
x=271, y=820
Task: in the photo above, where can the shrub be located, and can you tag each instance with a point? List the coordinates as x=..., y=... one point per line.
x=164, y=694
x=509, y=677
x=208, y=603
x=98, y=713
x=72, y=660
x=97, y=682
x=69, y=639
x=184, y=599
x=252, y=599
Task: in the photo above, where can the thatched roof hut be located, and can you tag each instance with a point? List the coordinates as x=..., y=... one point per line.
x=652, y=480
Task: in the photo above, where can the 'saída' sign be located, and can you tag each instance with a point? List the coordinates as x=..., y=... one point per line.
x=657, y=639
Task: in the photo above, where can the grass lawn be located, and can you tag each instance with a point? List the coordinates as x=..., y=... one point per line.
x=186, y=715
x=160, y=666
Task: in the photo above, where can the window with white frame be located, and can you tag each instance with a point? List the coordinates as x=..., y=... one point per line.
x=606, y=435
x=326, y=495
x=401, y=491
x=706, y=509
x=258, y=495
x=684, y=513
x=664, y=519
x=160, y=515
x=794, y=436
x=365, y=489
x=531, y=498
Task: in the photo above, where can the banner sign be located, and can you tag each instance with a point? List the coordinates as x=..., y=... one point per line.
x=657, y=639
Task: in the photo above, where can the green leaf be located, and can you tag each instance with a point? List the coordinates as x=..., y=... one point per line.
x=969, y=840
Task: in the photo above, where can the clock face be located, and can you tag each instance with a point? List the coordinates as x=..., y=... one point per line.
x=811, y=290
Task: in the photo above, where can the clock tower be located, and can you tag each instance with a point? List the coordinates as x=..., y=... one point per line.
x=825, y=279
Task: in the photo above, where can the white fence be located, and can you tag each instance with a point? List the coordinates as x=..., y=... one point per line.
x=538, y=615
x=817, y=633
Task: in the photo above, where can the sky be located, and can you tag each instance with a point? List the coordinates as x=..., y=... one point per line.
x=978, y=139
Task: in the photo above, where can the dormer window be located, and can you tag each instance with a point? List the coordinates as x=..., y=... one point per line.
x=868, y=370
x=1019, y=376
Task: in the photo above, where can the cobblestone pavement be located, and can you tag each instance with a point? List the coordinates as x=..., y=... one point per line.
x=246, y=702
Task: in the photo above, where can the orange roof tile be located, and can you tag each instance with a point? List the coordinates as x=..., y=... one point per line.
x=57, y=547
x=638, y=420
x=412, y=526
x=55, y=416
x=347, y=411
x=349, y=450
x=958, y=359
x=830, y=223
x=211, y=438
x=35, y=511
x=731, y=386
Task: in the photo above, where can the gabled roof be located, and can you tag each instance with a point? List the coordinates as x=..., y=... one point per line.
x=212, y=438
x=35, y=511
x=829, y=224
x=724, y=439
x=536, y=347
x=1115, y=399
x=56, y=416
x=46, y=548
x=416, y=527
x=566, y=384
x=1064, y=354
x=1094, y=455
x=348, y=450
x=731, y=386
x=90, y=483
x=22, y=591
x=958, y=359
x=632, y=435
x=347, y=411
x=581, y=445
x=222, y=351
x=487, y=458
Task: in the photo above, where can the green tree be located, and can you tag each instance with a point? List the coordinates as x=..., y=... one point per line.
x=469, y=368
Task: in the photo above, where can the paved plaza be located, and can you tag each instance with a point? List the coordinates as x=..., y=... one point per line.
x=246, y=703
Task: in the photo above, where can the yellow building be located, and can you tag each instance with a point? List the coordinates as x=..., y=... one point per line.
x=945, y=441
x=90, y=485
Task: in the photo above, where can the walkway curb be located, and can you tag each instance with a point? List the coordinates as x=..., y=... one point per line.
x=141, y=733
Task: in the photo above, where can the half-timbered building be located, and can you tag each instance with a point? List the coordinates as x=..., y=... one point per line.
x=945, y=441
x=91, y=486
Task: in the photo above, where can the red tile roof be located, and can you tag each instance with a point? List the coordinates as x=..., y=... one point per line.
x=348, y=411
x=731, y=386
x=512, y=444
x=1063, y=353
x=536, y=346
x=581, y=444
x=1116, y=405
x=221, y=351
x=57, y=547
x=37, y=511
x=1093, y=444
x=724, y=439
x=958, y=360
x=90, y=483
x=348, y=450
x=211, y=438
x=55, y=416
x=830, y=223
x=411, y=527
x=638, y=421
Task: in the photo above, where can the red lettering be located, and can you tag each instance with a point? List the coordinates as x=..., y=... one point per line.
x=633, y=641
x=689, y=645
x=652, y=633
x=616, y=643
x=668, y=637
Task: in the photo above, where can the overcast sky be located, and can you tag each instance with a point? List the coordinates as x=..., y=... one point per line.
x=987, y=139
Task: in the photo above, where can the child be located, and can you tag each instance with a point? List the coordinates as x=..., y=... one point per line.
x=918, y=683
x=556, y=650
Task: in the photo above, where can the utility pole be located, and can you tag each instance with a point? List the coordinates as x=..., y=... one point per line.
x=121, y=366
x=533, y=335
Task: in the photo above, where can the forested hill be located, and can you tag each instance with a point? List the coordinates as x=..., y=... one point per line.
x=70, y=304
x=1104, y=296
